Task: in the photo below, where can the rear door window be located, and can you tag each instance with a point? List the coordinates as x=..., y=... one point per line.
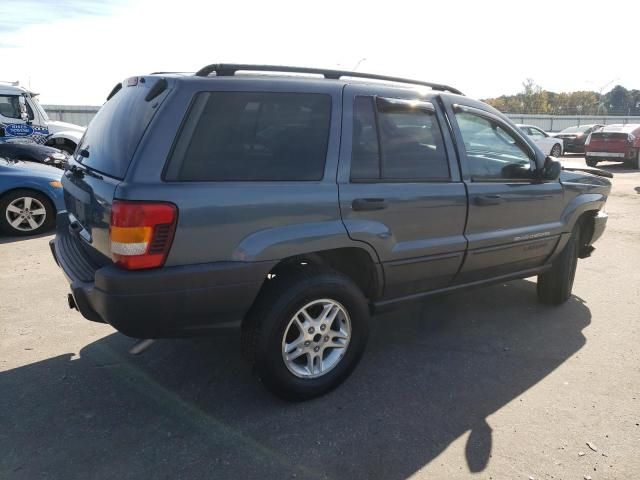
x=253, y=136
x=397, y=140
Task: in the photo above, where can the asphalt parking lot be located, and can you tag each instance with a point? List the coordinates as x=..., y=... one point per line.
x=483, y=384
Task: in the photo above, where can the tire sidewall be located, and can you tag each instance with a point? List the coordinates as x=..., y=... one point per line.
x=6, y=227
x=269, y=361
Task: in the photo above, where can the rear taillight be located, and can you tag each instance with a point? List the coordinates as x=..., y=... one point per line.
x=141, y=233
x=588, y=140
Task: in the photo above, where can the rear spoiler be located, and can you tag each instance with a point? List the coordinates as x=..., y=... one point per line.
x=593, y=171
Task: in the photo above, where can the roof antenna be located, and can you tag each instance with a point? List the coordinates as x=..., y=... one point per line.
x=363, y=59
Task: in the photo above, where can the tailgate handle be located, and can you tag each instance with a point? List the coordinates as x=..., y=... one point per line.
x=366, y=204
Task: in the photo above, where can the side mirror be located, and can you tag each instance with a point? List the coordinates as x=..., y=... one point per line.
x=551, y=169
x=23, y=108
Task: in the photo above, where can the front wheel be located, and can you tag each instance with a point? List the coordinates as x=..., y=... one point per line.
x=635, y=162
x=555, y=285
x=556, y=151
x=306, y=332
x=592, y=162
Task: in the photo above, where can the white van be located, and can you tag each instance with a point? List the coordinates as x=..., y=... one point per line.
x=23, y=120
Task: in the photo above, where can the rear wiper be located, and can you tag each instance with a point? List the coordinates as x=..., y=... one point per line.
x=81, y=172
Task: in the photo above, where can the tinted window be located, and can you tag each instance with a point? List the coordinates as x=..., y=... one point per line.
x=412, y=145
x=410, y=139
x=114, y=133
x=492, y=152
x=365, y=155
x=253, y=136
x=9, y=106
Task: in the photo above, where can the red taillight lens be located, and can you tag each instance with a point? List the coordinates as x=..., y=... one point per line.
x=141, y=233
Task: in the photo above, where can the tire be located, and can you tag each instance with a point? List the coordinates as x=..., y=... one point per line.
x=592, y=162
x=271, y=327
x=39, y=209
x=634, y=163
x=556, y=151
x=68, y=149
x=555, y=285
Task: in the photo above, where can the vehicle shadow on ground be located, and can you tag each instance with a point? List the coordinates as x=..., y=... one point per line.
x=191, y=408
x=617, y=168
x=10, y=239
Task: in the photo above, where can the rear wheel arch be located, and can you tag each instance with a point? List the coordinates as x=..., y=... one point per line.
x=354, y=262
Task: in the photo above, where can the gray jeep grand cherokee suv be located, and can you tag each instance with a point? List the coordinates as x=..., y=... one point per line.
x=292, y=207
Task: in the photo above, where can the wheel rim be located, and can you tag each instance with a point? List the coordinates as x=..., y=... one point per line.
x=26, y=214
x=316, y=338
x=555, y=151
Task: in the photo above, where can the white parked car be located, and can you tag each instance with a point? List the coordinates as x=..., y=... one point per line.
x=23, y=120
x=548, y=144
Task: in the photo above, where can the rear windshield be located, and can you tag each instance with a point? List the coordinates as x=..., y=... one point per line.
x=581, y=129
x=253, y=136
x=114, y=133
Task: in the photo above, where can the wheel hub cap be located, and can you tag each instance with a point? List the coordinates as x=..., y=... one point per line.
x=26, y=214
x=316, y=338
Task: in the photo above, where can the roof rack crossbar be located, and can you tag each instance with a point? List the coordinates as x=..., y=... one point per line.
x=230, y=69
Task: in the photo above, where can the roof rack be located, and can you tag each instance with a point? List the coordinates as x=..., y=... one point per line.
x=230, y=69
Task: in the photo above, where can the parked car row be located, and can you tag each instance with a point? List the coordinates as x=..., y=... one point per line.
x=31, y=145
x=617, y=142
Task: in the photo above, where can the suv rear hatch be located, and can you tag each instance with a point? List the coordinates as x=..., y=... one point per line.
x=103, y=156
x=615, y=142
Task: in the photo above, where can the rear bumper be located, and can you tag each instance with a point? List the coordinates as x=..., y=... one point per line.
x=615, y=156
x=164, y=302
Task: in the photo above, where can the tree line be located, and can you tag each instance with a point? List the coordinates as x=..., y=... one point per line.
x=534, y=100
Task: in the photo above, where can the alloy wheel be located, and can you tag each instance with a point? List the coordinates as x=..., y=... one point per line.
x=26, y=214
x=316, y=338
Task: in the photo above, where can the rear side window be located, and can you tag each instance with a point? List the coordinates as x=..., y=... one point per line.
x=114, y=133
x=253, y=136
x=397, y=140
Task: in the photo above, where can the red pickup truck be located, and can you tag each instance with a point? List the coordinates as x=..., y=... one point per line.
x=618, y=143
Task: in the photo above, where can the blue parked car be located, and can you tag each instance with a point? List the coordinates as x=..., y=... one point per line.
x=30, y=197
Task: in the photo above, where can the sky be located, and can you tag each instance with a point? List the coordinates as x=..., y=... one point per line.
x=74, y=51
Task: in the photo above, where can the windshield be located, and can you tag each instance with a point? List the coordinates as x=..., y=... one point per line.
x=581, y=129
x=41, y=111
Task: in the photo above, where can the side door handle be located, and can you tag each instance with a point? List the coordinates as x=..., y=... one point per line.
x=368, y=204
x=486, y=200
